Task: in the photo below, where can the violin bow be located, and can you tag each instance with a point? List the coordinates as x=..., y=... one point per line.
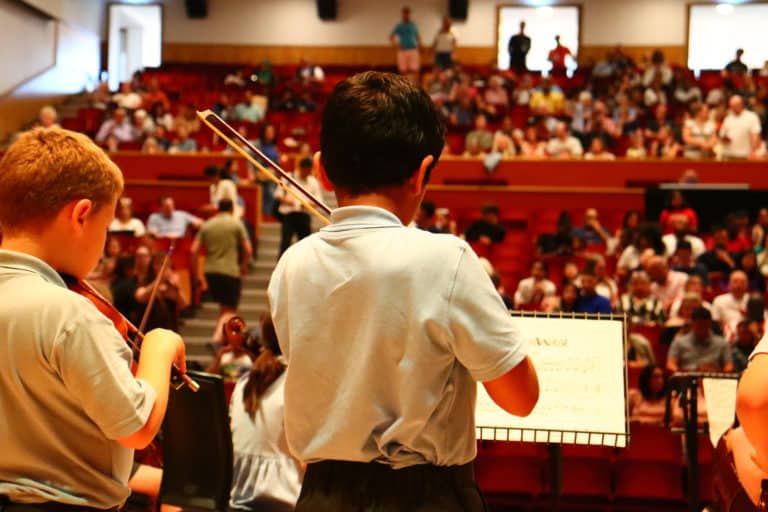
x=292, y=187
x=155, y=287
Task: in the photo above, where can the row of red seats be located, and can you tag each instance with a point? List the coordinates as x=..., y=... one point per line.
x=648, y=474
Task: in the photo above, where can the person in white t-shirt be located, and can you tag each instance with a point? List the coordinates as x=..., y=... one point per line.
x=563, y=144
x=730, y=308
x=680, y=225
x=445, y=44
x=294, y=218
x=668, y=285
x=124, y=219
x=740, y=132
x=266, y=477
x=532, y=290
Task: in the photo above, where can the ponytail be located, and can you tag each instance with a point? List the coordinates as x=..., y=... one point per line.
x=265, y=370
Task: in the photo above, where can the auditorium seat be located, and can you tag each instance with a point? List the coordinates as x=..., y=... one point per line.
x=508, y=470
x=649, y=469
x=587, y=472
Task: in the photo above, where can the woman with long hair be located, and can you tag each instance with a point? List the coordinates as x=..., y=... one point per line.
x=266, y=477
x=647, y=404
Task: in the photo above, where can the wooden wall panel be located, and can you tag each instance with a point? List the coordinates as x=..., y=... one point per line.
x=366, y=55
x=16, y=113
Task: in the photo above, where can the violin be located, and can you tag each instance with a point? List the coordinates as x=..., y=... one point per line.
x=130, y=333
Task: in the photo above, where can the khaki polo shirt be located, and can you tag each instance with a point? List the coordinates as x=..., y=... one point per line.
x=66, y=392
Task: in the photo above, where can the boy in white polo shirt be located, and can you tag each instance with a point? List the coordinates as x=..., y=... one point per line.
x=387, y=329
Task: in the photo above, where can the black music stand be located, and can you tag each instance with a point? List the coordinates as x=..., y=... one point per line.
x=197, y=455
x=687, y=385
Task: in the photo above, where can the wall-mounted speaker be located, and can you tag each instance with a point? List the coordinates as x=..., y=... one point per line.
x=458, y=9
x=326, y=9
x=197, y=8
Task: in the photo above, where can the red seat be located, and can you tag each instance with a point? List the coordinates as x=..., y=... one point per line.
x=650, y=467
x=587, y=472
x=510, y=468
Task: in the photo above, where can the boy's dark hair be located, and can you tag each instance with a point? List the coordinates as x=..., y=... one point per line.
x=376, y=130
x=428, y=207
x=683, y=245
x=225, y=205
x=305, y=163
x=701, y=313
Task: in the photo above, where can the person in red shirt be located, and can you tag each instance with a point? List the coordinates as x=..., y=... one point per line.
x=677, y=207
x=557, y=57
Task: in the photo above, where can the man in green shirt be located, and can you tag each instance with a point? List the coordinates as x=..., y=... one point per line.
x=225, y=240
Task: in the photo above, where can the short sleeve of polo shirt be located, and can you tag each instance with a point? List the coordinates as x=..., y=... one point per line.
x=485, y=337
x=761, y=348
x=92, y=361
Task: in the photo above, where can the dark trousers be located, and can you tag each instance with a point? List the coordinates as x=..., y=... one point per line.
x=295, y=223
x=336, y=486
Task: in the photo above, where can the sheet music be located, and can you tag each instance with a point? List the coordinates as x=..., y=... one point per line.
x=580, y=364
x=720, y=395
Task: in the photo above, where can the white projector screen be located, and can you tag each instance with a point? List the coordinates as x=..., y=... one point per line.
x=716, y=31
x=542, y=24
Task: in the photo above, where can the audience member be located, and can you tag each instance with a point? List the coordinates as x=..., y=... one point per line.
x=667, y=285
x=699, y=134
x=547, y=99
x=736, y=67
x=532, y=290
x=226, y=244
x=681, y=233
x=657, y=68
x=518, y=47
x=589, y=300
x=730, y=308
x=592, y=232
x=718, y=259
x=444, y=44
x=597, y=151
x=686, y=91
x=683, y=261
x=755, y=278
x=309, y=73
x=488, y=229
x=294, y=218
x=155, y=95
x=557, y=57
x=677, y=207
x=127, y=98
x=182, y=142
x=169, y=300
x=694, y=285
x=743, y=346
x=405, y=37
x=530, y=145
x=647, y=404
x=170, y=222
x=480, y=137
x=249, y=109
x=740, y=131
x=234, y=358
x=639, y=304
x=563, y=144
x=48, y=117
x=187, y=119
x=760, y=230
x=636, y=149
x=118, y=127
x=124, y=220
x=701, y=349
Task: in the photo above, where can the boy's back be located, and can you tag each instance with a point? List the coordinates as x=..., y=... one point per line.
x=387, y=328
x=396, y=324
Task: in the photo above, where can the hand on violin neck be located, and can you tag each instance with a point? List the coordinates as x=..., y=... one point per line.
x=164, y=346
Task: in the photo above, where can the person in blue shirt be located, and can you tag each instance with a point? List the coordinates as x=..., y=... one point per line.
x=405, y=37
x=589, y=301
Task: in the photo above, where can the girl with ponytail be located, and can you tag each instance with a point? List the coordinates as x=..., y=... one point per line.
x=266, y=477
